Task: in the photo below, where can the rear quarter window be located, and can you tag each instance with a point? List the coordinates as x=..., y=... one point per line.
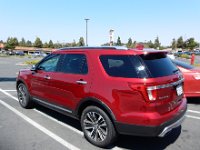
x=127, y=66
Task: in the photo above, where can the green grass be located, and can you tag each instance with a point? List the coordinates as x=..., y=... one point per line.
x=31, y=62
x=185, y=56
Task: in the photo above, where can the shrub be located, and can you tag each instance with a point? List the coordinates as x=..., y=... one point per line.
x=185, y=56
x=31, y=62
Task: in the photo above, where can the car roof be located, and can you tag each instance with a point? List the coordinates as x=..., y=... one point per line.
x=108, y=50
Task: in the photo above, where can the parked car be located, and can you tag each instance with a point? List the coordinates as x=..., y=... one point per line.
x=109, y=89
x=196, y=52
x=179, y=53
x=192, y=78
x=20, y=53
x=39, y=54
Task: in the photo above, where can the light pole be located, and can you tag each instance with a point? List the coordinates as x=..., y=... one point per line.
x=86, y=36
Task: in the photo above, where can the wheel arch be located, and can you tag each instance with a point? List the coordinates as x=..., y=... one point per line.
x=91, y=101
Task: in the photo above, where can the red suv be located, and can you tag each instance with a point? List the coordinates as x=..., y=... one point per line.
x=110, y=90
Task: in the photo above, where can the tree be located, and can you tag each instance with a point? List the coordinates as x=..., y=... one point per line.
x=74, y=43
x=29, y=43
x=180, y=42
x=81, y=42
x=22, y=42
x=38, y=43
x=130, y=43
x=174, y=44
x=57, y=45
x=50, y=45
x=45, y=45
x=191, y=44
x=11, y=43
x=119, y=43
x=150, y=44
x=157, y=43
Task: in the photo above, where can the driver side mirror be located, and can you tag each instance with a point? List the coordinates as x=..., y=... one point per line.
x=33, y=68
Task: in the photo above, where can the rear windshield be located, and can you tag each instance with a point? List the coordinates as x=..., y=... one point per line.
x=158, y=64
x=183, y=64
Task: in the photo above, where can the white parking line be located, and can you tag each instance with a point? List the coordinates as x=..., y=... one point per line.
x=40, y=127
x=10, y=90
x=192, y=111
x=6, y=93
x=51, y=118
x=193, y=117
x=59, y=122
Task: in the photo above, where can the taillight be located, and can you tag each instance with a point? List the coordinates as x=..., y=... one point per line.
x=150, y=93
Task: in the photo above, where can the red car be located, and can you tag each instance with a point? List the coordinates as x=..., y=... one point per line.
x=192, y=79
x=110, y=90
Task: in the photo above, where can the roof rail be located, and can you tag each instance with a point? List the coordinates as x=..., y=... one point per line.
x=95, y=47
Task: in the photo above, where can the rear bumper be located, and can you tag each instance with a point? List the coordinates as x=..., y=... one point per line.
x=160, y=130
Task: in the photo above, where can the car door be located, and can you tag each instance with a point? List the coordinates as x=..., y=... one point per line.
x=72, y=82
x=41, y=78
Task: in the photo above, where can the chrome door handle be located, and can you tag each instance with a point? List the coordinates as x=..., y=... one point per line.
x=81, y=82
x=47, y=77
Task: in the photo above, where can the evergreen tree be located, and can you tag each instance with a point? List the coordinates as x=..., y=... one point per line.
x=50, y=45
x=29, y=43
x=45, y=45
x=150, y=44
x=74, y=43
x=180, y=42
x=81, y=42
x=157, y=43
x=130, y=43
x=22, y=42
x=38, y=43
x=174, y=44
x=119, y=43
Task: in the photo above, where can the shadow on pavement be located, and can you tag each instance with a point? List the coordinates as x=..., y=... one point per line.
x=194, y=100
x=60, y=117
x=148, y=143
x=7, y=79
x=124, y=141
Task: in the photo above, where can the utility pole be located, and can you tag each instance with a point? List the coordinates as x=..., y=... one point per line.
x=86, y=36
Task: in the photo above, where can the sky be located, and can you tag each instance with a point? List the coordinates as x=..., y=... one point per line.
x=63, y=20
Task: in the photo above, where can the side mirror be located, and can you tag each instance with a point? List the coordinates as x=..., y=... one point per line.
x=33, y=68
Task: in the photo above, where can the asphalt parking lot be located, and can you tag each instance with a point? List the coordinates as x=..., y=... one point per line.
x=44, y=129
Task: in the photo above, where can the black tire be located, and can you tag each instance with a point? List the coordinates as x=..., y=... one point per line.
x=97, y=127
x=24, y=96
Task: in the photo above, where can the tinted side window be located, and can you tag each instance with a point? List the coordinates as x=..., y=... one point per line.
x=74, y=63
x=50, y=64
x=127, y=66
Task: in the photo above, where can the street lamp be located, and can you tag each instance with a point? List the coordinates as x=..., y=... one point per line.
x=86, y=31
